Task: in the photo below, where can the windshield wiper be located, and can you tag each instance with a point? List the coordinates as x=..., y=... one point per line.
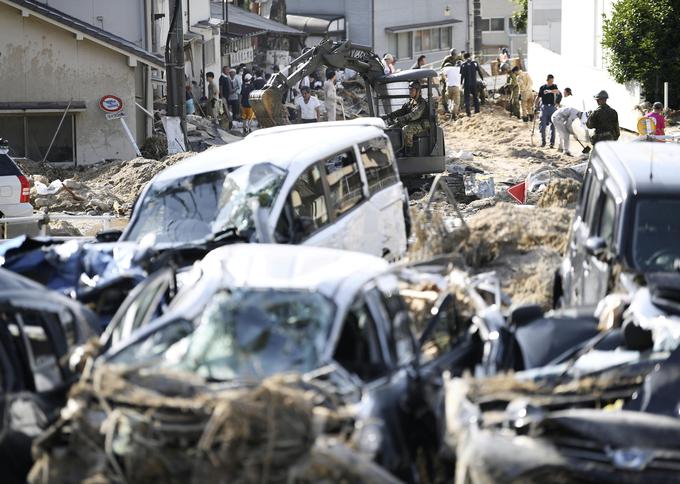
x=227, y=234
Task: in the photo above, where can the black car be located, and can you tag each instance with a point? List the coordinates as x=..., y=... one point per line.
x=39, y=331
x=626, y=221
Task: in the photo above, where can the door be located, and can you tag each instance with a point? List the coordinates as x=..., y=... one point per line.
x=348, y=205
x=581, y=231
x=306, y=212
x=386, y=207
x=597, y=270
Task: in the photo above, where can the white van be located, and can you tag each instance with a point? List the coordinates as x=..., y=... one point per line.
x=327, y=184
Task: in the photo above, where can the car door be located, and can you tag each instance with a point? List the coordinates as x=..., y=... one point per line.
x=348, y=204
x=306, y=213
x=581, y=231
x=10, y=184
x=597, y=269
x=386, y=207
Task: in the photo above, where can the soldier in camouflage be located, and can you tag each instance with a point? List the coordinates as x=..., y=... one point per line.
x=604, y=120
x=413, y=116
x=514, y=86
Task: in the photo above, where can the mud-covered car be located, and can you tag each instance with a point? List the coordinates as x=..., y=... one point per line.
x=247, y=312
x=39, y=332
x=625, y=221
x=606, y=411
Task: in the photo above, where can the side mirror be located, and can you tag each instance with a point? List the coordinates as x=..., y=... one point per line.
x=109, y=235
x=596, y=247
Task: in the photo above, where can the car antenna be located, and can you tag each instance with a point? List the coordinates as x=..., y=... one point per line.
x=651, y=166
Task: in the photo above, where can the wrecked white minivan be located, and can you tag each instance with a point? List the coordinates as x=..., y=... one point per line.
x=332, y=185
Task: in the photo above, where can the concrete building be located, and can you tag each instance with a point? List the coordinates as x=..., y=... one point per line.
x=54, y=69
x=497, y=30
x=405, y=28
x=564, y=39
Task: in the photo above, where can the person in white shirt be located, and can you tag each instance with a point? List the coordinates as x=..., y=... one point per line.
x=453, y=88
x=308, y=106
x=388, y=60
x=568, y=100
x=330, y=94
x=563, y=120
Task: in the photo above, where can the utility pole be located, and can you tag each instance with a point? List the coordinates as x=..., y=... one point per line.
x=175, y=121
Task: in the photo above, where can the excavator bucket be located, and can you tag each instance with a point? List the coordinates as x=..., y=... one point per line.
x=269, y=108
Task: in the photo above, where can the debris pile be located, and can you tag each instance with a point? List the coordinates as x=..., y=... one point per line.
x=109, y=187
x=203, y=133
x=167, y=426
x=523, y=244
x=560, y=193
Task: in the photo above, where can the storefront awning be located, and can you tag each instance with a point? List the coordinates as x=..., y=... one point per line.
x=420, y=26
x=41, y=107
x=241, y=23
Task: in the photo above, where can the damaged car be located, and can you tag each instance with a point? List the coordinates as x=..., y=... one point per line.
x=333, y=185
x=247, y=313
x=625, y=222
x=604, y=411
x=40, y=331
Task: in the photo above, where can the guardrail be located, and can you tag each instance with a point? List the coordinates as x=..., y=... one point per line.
x=42, y=220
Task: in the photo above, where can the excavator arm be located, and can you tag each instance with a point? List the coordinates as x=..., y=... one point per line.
x=268, y=102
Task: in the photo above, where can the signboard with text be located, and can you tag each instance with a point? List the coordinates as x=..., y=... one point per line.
x=243, y=56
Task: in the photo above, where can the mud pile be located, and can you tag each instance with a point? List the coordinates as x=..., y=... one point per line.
x=109, y=187
x=171, y=427
x=524, y=245
x=560, y=193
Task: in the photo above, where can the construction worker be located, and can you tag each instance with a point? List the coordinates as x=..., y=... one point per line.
x=513, y=84
x=526, y=95
x=563, y=120
x=604, y=120
x=412, y=116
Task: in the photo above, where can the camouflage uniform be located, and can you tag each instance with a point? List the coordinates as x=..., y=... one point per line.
x=413, y=117
x=605, y=121
x=526, y=95
x=514, y=94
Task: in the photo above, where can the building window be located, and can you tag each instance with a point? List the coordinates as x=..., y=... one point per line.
x=493, y=24
x=30, y=136
x=399, y=45
x=436, y=39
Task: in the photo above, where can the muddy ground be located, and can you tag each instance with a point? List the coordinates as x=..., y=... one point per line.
x=522, y=244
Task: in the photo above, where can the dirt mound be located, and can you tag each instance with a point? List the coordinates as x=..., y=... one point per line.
x=523, y=244
x=560, y=193
x=110, y=187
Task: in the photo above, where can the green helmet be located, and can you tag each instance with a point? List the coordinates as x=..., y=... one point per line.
x=601, y=95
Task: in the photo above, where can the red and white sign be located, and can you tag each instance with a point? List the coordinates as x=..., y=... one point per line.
x=111, y=104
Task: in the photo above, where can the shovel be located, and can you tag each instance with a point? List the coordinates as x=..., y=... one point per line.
x=586, y=149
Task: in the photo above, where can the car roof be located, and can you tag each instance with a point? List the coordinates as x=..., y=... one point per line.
x=281, y=146
x=10, y=280
x=642, y=167
x=278, y=266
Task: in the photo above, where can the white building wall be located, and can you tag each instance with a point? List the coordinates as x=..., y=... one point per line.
x=580, y=65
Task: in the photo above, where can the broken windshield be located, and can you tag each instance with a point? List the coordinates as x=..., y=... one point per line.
x=197, y=207
x=657, y=230
x=246, y=335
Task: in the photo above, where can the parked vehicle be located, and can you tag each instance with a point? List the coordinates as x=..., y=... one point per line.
x=39, y=330
x=14, y=191
x=331, y=185
x=604, y=411
x=625, y=222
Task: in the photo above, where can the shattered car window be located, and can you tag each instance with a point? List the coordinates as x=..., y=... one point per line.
x=197, y=207
x=657, y=230
x=249, y=334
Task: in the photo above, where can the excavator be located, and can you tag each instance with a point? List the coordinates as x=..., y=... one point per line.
x=384, y=93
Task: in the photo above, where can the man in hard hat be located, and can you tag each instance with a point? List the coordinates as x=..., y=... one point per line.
x=412, y=116
x=452, y=58
x=604, y=120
